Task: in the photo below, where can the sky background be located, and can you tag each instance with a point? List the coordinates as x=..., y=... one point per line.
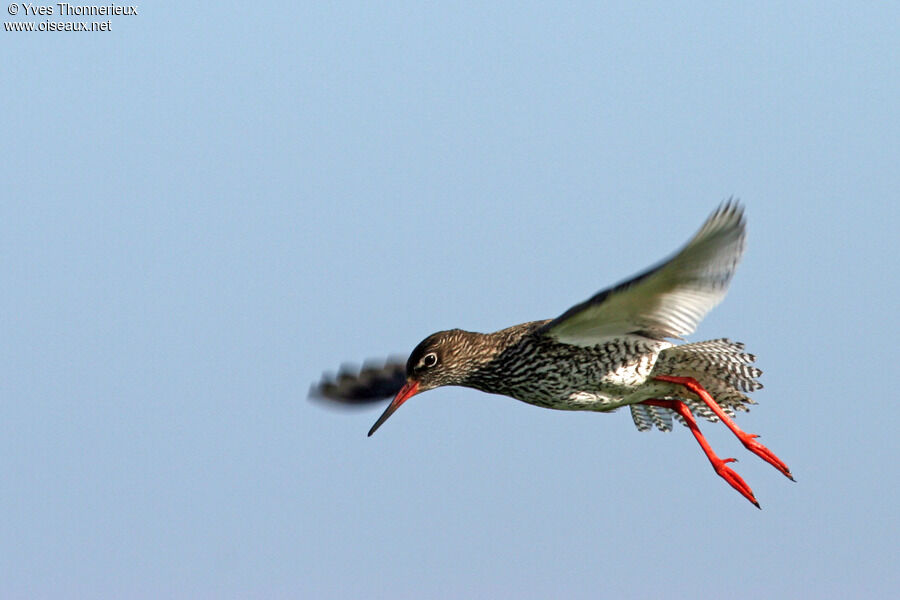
x=204, y=210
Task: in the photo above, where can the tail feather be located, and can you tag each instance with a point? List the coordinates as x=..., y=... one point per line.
x=722, y=368
x=645, y=417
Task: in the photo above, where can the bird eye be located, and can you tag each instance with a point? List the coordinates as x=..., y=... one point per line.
x=430, y=359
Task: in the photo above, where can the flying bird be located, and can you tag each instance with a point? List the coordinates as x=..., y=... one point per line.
x=613, y=350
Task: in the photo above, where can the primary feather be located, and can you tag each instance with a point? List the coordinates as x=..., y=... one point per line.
x=667, y=301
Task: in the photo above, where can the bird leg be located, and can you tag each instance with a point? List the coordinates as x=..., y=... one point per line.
x=747, y=439
x=719, y=464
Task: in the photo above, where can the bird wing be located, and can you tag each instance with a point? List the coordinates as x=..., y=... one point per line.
x=668, y=300
x=376, y=381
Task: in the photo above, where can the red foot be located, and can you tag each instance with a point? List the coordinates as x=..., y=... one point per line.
x=764, y=453
x=735, y=480
x=747, y=439
x=719, y=464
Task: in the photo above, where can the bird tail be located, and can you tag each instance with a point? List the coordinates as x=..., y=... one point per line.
x=720, y=366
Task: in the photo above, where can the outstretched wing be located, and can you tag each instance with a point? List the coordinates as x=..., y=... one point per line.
x=352, y=386
x=670, y=299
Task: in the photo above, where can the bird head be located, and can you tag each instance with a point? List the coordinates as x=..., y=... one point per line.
x=443, y=358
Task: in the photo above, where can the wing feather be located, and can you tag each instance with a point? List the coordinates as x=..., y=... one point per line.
x=668, y=300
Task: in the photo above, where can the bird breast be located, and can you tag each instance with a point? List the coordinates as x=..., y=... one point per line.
x=546, y=373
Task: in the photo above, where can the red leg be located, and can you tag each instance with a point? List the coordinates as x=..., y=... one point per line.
x=747, y=439
x=725, y=472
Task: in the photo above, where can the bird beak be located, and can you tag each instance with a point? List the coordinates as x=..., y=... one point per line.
x=406, y=392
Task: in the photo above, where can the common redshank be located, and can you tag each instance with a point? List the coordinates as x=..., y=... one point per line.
x=610, y=351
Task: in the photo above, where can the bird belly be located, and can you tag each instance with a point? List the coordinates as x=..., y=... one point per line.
x=598, y=380
x=599, y=401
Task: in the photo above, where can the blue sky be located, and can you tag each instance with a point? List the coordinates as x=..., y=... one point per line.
x=205, y=210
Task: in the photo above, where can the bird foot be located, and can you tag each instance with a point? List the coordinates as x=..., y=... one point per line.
x=747, y=439
x=750, y=443
x=733, y=479
x=719, y=464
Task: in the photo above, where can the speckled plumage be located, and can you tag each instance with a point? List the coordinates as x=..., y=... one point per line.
x=536, y=369
x=522, y=363
x=610, y=351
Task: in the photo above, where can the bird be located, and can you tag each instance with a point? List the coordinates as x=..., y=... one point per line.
x=624, y=346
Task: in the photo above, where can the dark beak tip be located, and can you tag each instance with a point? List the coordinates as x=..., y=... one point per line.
x=409, y=390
